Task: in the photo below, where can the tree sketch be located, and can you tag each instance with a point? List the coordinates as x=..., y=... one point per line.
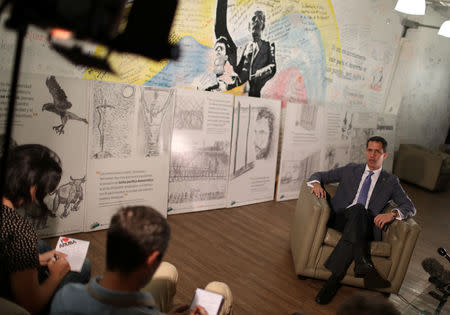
x=113, y=106
x=101, y=111
x=155, y=103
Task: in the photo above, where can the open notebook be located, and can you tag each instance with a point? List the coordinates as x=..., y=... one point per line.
x=211, y=301
x=76, y=251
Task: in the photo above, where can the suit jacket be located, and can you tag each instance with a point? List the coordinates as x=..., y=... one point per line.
x=263, y=61
x=387, y=188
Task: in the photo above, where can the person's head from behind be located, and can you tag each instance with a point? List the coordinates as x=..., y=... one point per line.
x=366, y=304
x=137, y=239
x=33, y=171
x=221, y=51
x=376, y=152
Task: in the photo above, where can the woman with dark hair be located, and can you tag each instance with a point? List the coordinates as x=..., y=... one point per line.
x=29, y=276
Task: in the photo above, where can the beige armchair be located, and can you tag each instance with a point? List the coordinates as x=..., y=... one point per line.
x=11, y=308
x=312, y=242
x=429, y=169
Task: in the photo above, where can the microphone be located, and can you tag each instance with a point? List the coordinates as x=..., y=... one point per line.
x=443, y=252
x=435, y=270
x=433, y=267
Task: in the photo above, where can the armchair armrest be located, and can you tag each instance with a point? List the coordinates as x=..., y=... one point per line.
x=308, y=230
x=402, y=235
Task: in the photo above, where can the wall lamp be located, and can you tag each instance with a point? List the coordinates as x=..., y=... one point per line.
x=415, y=7
x=444, y=30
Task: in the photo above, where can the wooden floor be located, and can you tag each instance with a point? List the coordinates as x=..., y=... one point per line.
x=248, y=248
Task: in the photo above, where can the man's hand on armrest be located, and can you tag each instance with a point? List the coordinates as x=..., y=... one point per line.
x=318, y=190
x=382, y=219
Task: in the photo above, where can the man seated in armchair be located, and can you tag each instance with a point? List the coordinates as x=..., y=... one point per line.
x=357, y=212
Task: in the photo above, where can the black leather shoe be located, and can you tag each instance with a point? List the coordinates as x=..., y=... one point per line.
x=362, y=267
x=373, y=280
x=328, y=291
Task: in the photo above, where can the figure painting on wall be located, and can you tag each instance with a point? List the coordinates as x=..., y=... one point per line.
x=255, y=62
x=223, y=77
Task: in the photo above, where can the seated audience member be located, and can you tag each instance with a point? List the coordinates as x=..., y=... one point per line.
x=366, y=304
x=29, y=277
x=136, y=242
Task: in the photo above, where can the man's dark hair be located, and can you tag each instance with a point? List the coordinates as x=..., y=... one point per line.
x=366, y=304
x=378, y=139
x=31, y=165
x=263, y=16
x=224, y=40
x=134, y=233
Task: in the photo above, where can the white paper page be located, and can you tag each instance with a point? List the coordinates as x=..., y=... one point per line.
x=209, y=300
x=76, y=251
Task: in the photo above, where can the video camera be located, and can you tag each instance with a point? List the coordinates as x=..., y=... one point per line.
x=140, y=27
x=440, y=277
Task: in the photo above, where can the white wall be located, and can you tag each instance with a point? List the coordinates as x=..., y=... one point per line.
x=424, y=74
x=368, y=30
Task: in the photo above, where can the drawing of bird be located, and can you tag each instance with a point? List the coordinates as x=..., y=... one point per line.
x=60, y=105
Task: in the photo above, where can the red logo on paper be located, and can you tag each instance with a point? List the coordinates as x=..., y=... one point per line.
x=65, y=241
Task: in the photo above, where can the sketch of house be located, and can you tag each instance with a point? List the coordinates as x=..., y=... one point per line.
x=207, y=163
x=190, y=115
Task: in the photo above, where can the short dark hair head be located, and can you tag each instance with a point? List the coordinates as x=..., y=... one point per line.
x=378, y=139
x=31, y=165
x=366, y=304
x=134, y=233
x=262, y=15
x=224, y=40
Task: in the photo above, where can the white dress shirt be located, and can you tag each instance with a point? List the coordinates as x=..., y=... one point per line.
x=374, y=178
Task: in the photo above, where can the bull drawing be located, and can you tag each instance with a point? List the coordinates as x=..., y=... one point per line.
x=70, y=195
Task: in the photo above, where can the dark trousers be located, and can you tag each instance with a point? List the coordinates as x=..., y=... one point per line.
x=356, y=226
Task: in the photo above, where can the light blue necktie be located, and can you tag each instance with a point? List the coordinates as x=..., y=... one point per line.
x=362, y=198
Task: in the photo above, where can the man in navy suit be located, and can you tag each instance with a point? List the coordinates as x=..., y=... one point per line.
x=255, y=61
x=357, y=212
